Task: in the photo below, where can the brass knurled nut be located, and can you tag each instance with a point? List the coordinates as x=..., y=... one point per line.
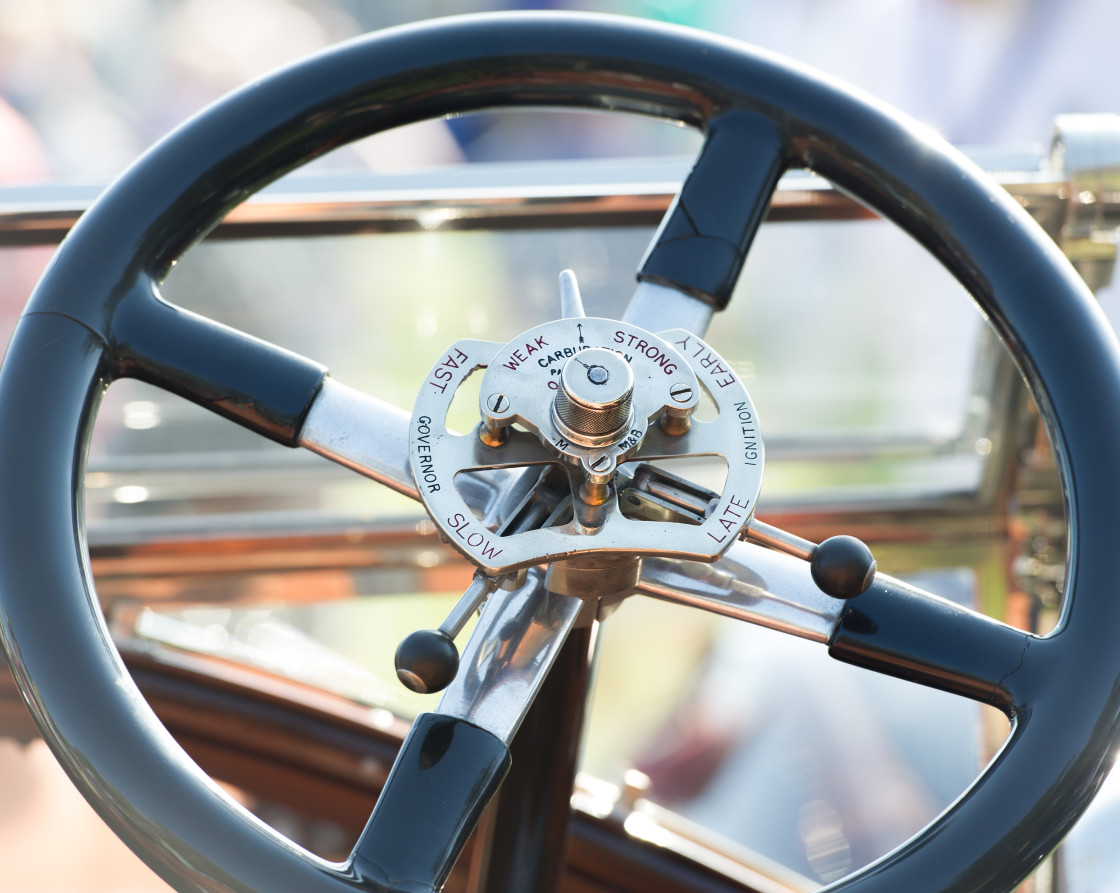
x=596, y=391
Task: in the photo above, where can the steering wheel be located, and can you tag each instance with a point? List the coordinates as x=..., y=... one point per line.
x=97, y=316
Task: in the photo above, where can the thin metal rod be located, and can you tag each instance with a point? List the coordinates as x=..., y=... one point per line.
x=775, y=538
x=509, y=655
x=752, y=583
x=481, y=586
x=497, y=196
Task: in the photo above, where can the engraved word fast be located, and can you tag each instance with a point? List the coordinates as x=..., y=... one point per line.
x=443, y=374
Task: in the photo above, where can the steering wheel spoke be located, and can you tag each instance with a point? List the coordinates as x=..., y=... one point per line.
x=453, y=760
x=903, y=631
x=444, y=775
x=893, y=628
x=370, y=436
x=360, y=432
x=264, y=387
x=749, y=583
x=693, y=261
x=510, y=651
x=703, y=240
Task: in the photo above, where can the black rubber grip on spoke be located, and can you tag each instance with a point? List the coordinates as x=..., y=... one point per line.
x=703, y=240
x=894, y=629
x=445, y=775
x=256, y=384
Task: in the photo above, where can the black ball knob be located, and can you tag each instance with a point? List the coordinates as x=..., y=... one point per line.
x=427, y=660
x=842, y=566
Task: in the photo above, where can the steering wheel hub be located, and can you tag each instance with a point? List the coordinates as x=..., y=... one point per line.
x=587, y=394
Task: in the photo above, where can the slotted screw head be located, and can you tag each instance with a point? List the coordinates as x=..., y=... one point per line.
x=681, y=391
x=600, y=462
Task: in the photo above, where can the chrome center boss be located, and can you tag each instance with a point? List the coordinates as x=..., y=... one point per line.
x=589, y=395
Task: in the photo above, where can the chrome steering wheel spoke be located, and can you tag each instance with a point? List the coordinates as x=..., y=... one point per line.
x=509, y=654
x=362, y=433
x=893, y=627
x=749, y=583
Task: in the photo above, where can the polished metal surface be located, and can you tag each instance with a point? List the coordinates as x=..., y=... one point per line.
x=594, y=403
x=668, y=372
x=571, y=301
x=509, y=654
x=776, y=538
x=657, y=307
x=360, y=432
x=750, y=583
x=471, y=600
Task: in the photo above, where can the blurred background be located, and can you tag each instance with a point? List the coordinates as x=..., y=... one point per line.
x=86, y=87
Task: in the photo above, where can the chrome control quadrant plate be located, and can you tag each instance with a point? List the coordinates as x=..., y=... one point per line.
x=520, y=388
x=529, y=370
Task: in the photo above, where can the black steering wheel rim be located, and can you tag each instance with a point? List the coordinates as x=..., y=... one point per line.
x=96, y=317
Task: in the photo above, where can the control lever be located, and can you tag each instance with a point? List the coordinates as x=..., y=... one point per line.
x=841, y=566
x=571, y=302
x=427, y=660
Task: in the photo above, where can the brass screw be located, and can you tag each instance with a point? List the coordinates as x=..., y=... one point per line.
x=673, y=424
x=493, y=437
